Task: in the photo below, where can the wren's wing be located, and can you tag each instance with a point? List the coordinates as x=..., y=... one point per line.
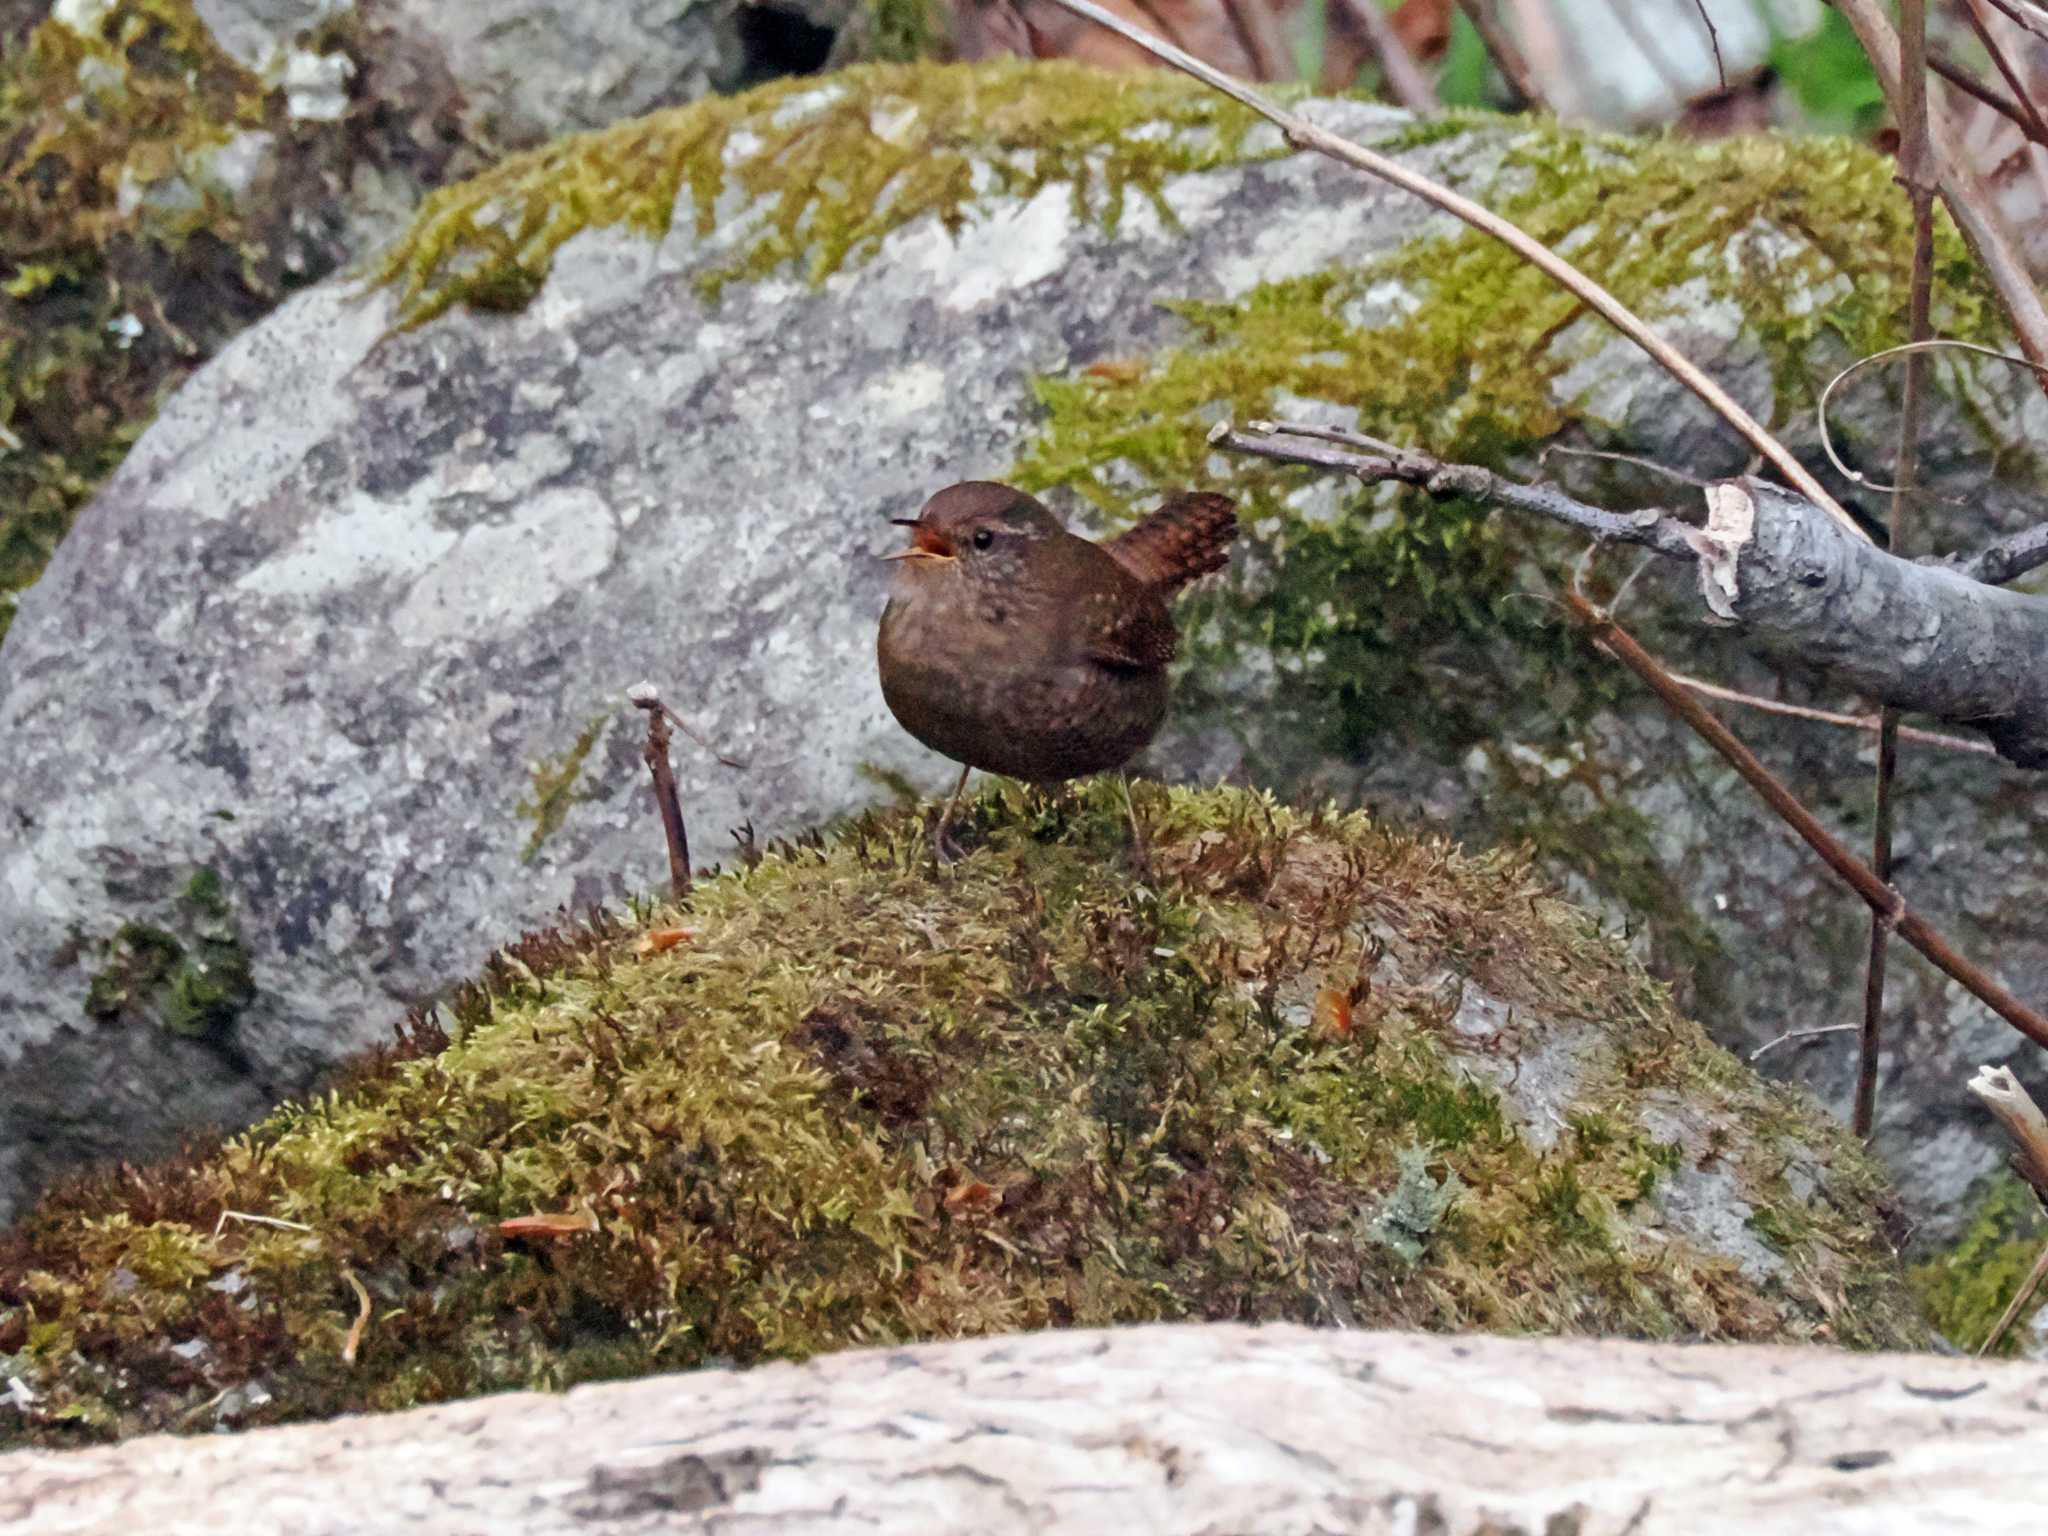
x=1188, y=537
x=1126, y=628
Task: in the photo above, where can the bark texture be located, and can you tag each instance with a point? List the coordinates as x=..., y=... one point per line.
x=1921, y=637
x=1166, y=1429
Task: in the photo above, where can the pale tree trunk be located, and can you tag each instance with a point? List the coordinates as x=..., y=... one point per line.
x=1139, y=1432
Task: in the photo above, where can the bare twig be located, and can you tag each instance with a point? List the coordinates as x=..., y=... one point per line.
x=1910, y=926
x=2002, y=1094
x=1543, y=46
x=2029, y=18
x=262, y=1221
x=1975, y=213
x=666, y=801
x=1382, y=461
x=2020, y=1298
x=1831, y=717
x=2008, y=559
x=1713, y=41
x=1304, y=134
x=1507, y=58
x=1916, y=174
x=1903, y=349
x=1977, y=90
x=2035, y=129
x=1803, y=1034
x=354, y=1342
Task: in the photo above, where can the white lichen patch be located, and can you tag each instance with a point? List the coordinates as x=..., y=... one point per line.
x=1006, y=249
x=504, y=573
x=376, y=539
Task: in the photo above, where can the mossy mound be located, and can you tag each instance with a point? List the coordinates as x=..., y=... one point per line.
x=1313, y=1071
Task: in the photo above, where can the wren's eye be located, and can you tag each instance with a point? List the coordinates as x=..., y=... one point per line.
x=983, y=537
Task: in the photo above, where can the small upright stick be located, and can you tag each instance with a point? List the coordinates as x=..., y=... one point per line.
x=645, y=696
x=2016, y=1110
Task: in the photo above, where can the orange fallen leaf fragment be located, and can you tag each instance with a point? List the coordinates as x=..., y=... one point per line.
x=1116, y=370
x=1332, y=1017
x=549, y=1224
x=657, y=941
x=973, y=1200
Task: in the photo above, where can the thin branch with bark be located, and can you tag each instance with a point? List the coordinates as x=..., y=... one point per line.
x=1304, y=134
x=1977, y=90
x=2001, y=1093
x=1916, y=175
x=2032, y=125
x=1978, y=655
x=666, y=801
x=1858, y=876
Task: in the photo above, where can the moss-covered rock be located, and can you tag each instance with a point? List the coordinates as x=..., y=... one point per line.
x=1314, y=1071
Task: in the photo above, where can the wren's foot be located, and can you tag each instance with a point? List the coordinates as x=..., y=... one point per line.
x=1139, y=847
x=944, y=849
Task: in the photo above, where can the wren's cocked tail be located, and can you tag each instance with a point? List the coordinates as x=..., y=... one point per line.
x=1016, y=647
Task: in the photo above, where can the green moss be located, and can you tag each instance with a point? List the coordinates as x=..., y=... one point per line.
x=826, y=169
x=140, y=959
x=554, y=788
x=1967, y=1289
x=1391, y=617
x=861, y=1104
x=192, y=977
x=122, y=259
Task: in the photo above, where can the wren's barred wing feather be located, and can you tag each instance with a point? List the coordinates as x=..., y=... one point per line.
x=1187, y=538
x=1127, y=637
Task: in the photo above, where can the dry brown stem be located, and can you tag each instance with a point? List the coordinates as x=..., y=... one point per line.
x=666, y=800
x=1882, y=898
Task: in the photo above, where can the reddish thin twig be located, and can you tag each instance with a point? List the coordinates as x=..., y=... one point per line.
x=2035, y=128
x=1976, y=89
x=1713, y=41
x=1853, y=872
x=1917, y=175
x=666, y=800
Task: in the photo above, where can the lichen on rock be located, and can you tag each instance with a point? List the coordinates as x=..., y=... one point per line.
x=862, y=1103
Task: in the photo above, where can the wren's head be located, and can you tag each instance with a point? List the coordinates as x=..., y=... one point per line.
x=977, y=530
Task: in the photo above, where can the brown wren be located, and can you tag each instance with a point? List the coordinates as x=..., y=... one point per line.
x=1014, y=646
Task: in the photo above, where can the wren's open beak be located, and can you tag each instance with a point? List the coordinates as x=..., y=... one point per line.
x=925, y=543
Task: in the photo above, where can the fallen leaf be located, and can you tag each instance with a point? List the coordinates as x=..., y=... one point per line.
x=657, y=941
x=549, y=1224
x=1332, y=1017
x=1116, y=370
x=973, y=1200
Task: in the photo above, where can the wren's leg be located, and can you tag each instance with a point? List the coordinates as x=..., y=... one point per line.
x=1138, y=843
x=943, y=846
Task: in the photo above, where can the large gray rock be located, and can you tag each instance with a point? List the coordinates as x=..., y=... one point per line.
x=352, y=628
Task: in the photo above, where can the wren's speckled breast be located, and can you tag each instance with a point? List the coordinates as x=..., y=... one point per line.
x=1016, y=647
